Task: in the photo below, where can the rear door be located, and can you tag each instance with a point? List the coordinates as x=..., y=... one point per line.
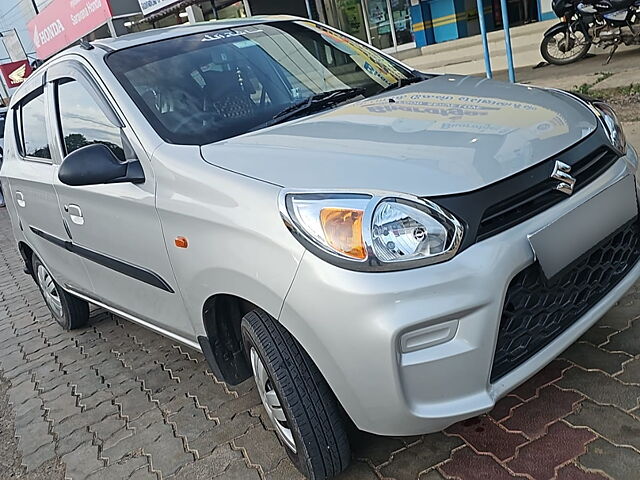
x=29, y=168
x=116, y=226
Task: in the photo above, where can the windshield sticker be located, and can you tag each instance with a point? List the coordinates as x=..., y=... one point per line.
x=212, y=37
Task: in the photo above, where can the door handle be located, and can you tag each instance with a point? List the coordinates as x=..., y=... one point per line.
x=20, y=200
x=75, y=213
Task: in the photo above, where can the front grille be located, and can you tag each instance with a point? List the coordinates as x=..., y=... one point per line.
x=537, y=310
x=540, y=196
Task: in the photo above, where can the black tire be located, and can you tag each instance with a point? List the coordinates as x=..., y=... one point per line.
x=549, y=58
x=73, y=312
x=312, y=412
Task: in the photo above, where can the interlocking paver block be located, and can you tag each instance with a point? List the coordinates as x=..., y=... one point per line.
x=376, y=449
x=626, y=340
x=601, y=388
x=503, y=407
x=610, y=422
x=484, y=467
x=223, y=433
x=630, y=372
x=28, y=412
x=431, y=451
x=619, y=463
x=238, y=471
x=548, y=374
x=431, y=475
x=571, y=472
x=71, y=424
x=62, y=407
x=105, y=427
x=621, y=314
x=134, y=404
x=190, y=421
x=541, y=457
x=551, y=404
x=43, y=454
x=33, y=436
x=211, y=465
x=262, y=446
x=82, y=461
x=120, y=470
x=286, y=471
x=74, y=440
x=591, y=357
x=598, y=334
x=485, y=436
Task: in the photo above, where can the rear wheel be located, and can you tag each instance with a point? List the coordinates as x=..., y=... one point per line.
x=69, y=311
x=564, y=47
x=298, y=401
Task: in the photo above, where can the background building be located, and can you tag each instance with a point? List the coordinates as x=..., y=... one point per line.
x=392, y=25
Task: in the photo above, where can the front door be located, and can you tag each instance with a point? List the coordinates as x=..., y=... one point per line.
x=115, y=227
x=30, y=174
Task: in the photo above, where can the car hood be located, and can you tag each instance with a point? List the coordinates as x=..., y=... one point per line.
x=449, y=134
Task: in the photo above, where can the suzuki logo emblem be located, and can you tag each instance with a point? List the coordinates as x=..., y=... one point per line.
x=561, y=172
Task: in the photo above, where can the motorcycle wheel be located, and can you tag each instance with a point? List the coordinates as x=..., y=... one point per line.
x=563, y=47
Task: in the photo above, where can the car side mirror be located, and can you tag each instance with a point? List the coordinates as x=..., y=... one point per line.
x=96, y=164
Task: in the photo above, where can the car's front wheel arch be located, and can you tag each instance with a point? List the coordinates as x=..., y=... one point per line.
x=222, y=346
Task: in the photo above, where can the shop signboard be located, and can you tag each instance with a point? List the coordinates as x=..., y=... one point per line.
x=150, y=6
x=63, y=22
x=15, y=73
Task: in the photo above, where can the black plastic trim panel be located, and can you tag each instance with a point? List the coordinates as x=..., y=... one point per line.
x=497, y=207
x=128, y=269
x=536, y=311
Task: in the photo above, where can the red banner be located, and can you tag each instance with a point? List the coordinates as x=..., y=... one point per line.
x=65, y=21
x=15, y=73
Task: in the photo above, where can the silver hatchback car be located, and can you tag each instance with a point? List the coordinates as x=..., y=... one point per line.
x=372, y=244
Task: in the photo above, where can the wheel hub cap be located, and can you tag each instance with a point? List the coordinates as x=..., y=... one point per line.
x=271, y=402
x=49, y=290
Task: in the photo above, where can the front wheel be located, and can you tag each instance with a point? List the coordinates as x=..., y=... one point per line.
x=298, y=401
x=562, y=47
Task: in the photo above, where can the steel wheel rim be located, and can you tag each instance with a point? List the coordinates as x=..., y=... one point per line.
x=49, y=291
x=558, y=50
x=270, y=401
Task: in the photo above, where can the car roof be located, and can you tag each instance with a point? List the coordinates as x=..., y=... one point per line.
x=153, y=35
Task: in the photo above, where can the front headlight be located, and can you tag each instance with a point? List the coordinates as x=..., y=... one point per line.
x=372, y=232
x=612, y=125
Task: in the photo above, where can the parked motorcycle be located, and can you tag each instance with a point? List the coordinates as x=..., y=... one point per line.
x=604, y=23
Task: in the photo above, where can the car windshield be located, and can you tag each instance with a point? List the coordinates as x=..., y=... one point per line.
x=206, y=87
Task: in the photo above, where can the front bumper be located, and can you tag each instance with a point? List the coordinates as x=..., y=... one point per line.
x=352, y=323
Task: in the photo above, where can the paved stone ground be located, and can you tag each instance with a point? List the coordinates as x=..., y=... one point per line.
x=114, y=401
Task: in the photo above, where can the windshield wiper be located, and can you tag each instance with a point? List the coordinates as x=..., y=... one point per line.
x=403, y=82
x=314, y=103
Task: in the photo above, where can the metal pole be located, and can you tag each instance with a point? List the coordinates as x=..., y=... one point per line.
x=35, y=7
x=507, y=40
x=485, y=43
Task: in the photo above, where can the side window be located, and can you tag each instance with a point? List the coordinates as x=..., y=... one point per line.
x=34, y=126
x=83, y=122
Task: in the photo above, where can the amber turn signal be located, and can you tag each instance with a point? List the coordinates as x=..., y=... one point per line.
x=343, y=231
x=181, y=242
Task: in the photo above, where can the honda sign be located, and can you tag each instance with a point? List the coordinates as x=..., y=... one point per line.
x=15, y=73
x=65, y=21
